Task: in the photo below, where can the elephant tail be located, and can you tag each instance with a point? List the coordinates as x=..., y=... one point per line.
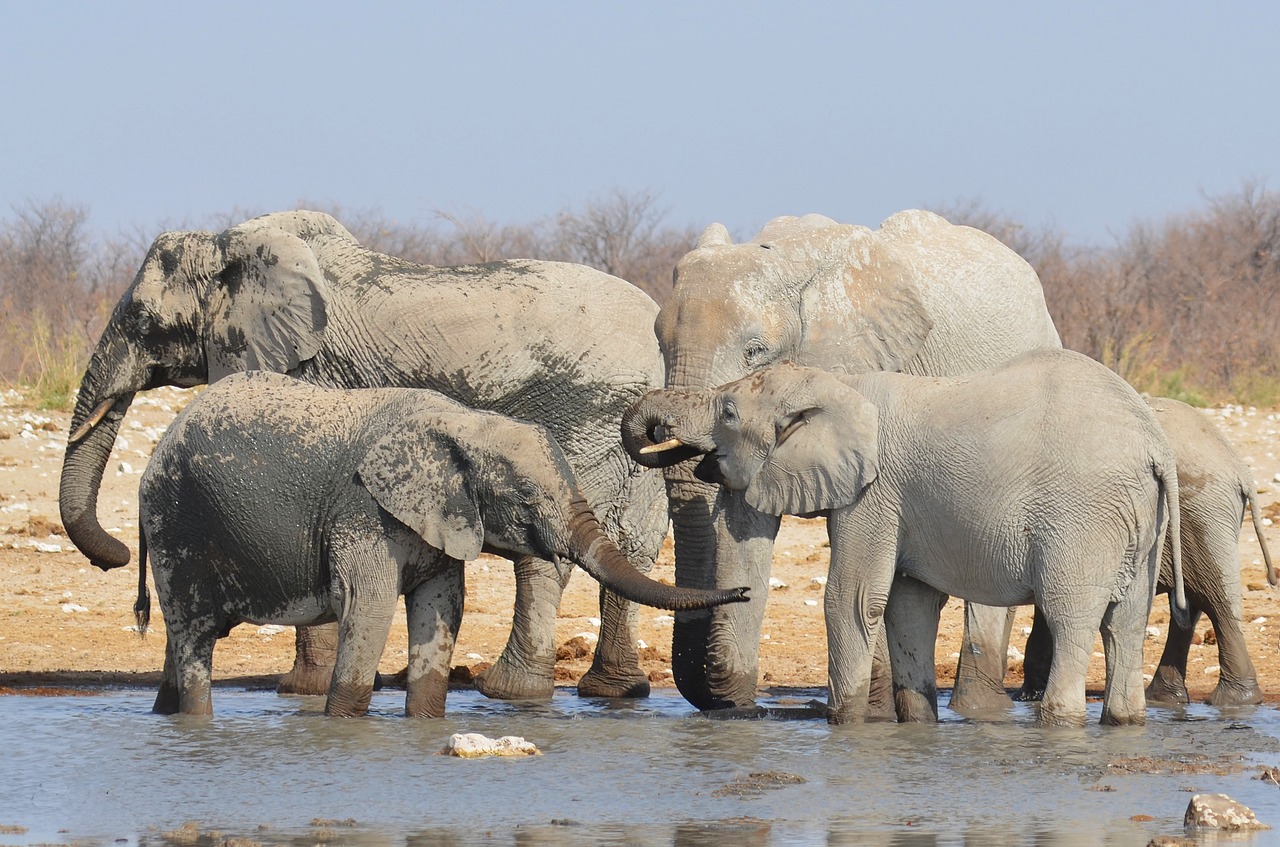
x=1167, y=475
x=1247, y=491
x=142, y=606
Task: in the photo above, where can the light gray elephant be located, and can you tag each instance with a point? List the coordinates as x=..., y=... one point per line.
x=270, y=500
x=1216, y=489
x=1045, y=479
x=918, y=295
x=558, y=344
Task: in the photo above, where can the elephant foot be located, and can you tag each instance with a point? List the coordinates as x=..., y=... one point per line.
x=599, y=683
x=502, y=682
x=1167, y=687
x=306, y=679
x=1244, y=693
x=1029, y=694
x=980, y=697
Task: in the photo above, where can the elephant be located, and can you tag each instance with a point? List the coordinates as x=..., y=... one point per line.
x=918, y=295
x=557, y=344
x=1216, y=488
x=270, y=500
x=1046, y=479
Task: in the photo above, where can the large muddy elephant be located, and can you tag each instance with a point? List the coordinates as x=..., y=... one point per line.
x=270, y=500
x=918, y=295
x=558, y=344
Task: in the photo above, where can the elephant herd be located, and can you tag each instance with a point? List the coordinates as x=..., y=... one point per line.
x=906, y=382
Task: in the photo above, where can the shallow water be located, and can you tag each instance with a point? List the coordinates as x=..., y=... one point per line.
x=102, y=769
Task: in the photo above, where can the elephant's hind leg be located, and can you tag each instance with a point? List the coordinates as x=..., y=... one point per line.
x=1169, y=682
x=1124, y=627
x=368, y=607
x=434, y=614
x=984, y=657
x=192, y=654
x=315, y=648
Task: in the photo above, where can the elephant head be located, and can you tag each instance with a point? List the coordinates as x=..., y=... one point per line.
x=917, y=295
x=202, y=305
x=478, y=481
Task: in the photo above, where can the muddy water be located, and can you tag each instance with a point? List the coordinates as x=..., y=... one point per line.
x=100, y=769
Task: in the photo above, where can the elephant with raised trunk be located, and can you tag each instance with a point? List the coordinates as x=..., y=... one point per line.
x=1045, y=480
x=562, y=345
x=273, y=501
x=918, y=295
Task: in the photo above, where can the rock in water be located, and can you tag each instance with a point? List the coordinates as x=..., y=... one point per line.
x=1218, y=811
x=473, y=745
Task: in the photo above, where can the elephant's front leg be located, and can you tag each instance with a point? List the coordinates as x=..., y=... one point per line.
x=984, y=655
x=434, y=614
x=615, y=670
x=526, y=668
x=862, y=562
x=911, y=624
x=315, y=648
x=1036, y=662
x=367, y=607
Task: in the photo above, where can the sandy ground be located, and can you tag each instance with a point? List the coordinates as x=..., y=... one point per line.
x=63, y=622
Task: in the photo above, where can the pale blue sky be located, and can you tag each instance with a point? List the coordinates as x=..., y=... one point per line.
x=1087, y=115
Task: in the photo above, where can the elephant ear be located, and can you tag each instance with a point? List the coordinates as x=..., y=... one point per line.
x=825, y=454
x=423, y=479
x=861, y=309
x=270, y=311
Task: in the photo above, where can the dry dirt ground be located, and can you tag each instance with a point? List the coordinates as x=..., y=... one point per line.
x=63, y=622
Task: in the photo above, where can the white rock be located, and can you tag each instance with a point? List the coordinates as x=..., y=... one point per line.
x=819, y=580
x=74, y=607
x=664, y=620
x=474, y=656
x=46, y=548
x=270, y=629
x=811, y=602
x=1153, y=632
x=641, y=644
x=473, y=745
x=1015, y=654
x=587, y=636
x=1211, y=669
x=1218, y=811
x=596, y=622
x=1259, y=620
x=775, y=583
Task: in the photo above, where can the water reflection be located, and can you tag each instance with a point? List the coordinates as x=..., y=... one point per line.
x=274, y=770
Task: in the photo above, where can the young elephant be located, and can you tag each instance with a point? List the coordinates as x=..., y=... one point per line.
x=1043, y=480
x=270, y=500
x=1215, y=489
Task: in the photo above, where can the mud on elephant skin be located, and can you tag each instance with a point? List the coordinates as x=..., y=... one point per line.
x=1045, y=479
x=918, y=295
x=1216, y=489
x=562, y=345
x=270, y=500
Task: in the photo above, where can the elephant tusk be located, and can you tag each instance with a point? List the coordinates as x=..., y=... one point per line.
x=669, y=444
x=92, y=421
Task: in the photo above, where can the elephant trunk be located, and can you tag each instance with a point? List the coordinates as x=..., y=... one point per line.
x=82, y=468
x=601, y=558
x=719, y=539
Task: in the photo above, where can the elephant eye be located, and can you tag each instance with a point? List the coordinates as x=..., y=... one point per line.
x=729, y=412
x=756, y=353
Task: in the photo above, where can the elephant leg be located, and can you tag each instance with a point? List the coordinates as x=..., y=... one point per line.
x=880, y=706
x=615, y=670
x=911, y=624
x=526, y=668
x=857, y=592
x=192, y=653
x=1124, y=628
x=1237, y=678
x=639, y=528
x=984, y=655
x=434, y=612
x=167, y=698
x=1035, y=666
x=1169, y=683
x=368, y=607
x=315, y=648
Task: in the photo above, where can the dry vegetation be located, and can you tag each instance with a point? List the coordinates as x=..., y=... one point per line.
x=1182, y=308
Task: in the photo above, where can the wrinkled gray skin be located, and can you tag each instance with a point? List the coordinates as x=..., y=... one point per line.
x=1045, y=479
x=270, y=500
x=1216, y=488
x=561, y=345
x=918, y=295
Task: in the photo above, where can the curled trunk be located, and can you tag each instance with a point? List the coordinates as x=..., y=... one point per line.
x=82, y=469
x=601, y=558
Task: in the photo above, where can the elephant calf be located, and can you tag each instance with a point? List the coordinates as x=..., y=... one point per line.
x=1044, y=480
x=270, y=500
